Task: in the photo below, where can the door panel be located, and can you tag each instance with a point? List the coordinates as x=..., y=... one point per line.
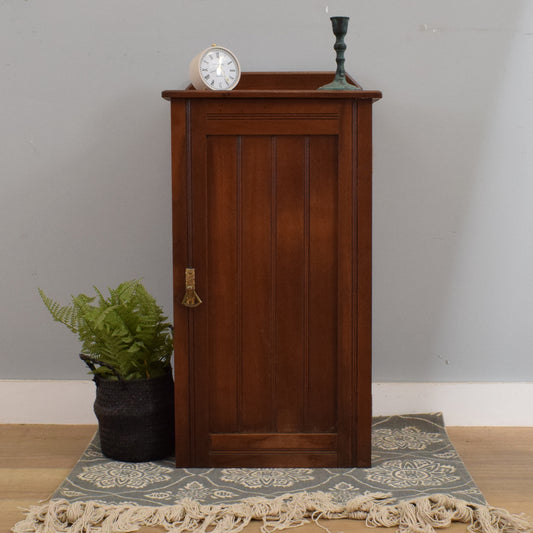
x=289, y=255
x=223, y=284
x=323, y=283
x=266, y=249
x=254, y=251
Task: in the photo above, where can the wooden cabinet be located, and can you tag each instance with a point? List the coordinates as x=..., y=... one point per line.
x=271, y=191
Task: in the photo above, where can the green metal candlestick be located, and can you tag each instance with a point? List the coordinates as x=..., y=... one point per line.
x=339, y=83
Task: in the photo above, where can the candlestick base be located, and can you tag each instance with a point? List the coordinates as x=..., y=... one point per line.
x=339, y=85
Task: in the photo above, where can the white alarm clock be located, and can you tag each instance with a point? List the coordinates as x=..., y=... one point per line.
x=216, y=69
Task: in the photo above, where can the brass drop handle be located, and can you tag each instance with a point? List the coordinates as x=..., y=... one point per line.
x=191, y=298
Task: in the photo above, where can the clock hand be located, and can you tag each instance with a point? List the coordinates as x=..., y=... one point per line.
x=221, y=71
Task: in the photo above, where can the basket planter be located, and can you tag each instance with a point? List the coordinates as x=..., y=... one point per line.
x=128, y=345
x=135, y=418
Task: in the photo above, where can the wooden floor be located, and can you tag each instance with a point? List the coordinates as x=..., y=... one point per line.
x=34, y=459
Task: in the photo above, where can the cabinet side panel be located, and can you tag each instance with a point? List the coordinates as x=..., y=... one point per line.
x=363, y=275
x=180, y=226
x=222, y=281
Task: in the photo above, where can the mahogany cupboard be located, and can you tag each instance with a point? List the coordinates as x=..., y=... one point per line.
x=271, y=194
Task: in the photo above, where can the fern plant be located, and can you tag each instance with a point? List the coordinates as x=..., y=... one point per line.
x=125, y=331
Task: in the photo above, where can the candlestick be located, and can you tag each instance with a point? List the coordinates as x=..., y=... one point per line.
x=339, y=83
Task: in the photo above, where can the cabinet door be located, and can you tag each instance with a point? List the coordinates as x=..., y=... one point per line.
x=272, y=240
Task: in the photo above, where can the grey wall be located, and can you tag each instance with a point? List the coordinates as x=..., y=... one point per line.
x=85, y=164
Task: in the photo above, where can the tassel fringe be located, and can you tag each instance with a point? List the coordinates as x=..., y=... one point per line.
x=420, y=515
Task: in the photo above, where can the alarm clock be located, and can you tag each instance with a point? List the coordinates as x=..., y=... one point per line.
x=215, y=68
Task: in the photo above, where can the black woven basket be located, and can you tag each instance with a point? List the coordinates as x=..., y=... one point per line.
x=135, y=418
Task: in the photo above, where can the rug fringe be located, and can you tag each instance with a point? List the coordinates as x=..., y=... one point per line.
x=420, y=515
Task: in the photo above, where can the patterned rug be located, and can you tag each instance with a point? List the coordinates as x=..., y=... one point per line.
x=417, y=483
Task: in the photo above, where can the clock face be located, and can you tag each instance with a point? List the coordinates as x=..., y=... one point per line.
x=219, y=69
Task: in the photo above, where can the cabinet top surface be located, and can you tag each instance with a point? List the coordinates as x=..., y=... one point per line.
x=279, y=85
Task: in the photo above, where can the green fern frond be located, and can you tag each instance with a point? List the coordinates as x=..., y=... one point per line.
x=66, y=314
x=101, y=298
x=126, y=291
x=127, y=331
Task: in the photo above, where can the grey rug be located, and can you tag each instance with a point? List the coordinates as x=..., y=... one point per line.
x=412, y=456
x=417, y=480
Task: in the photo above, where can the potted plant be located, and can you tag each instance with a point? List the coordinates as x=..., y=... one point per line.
x=127, y=344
